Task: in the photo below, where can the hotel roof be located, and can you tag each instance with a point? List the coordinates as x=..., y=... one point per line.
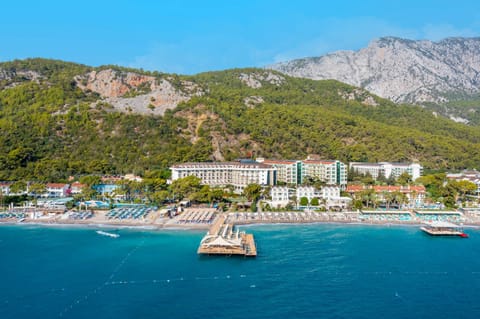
x=282, y=162
x=221, y=164
x=319, y=162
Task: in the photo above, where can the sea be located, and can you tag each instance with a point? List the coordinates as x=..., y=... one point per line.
x=301, y=271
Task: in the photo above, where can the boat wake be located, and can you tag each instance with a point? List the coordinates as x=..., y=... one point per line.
x=104, y=233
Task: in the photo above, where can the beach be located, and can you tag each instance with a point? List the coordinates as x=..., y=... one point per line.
x=202, y=218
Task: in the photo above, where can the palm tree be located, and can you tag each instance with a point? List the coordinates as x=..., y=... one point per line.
x=388, y=198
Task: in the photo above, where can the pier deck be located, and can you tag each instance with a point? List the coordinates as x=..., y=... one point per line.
x=223, y=239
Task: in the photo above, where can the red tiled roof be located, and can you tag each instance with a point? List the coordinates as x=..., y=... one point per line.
x=355, y=188
x=282, y=162
x=389, y=188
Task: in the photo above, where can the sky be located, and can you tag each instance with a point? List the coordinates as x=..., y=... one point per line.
x=189, y=37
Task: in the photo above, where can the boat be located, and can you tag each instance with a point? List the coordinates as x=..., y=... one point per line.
x=104, y=233
x=440, y=228
x=21, y=220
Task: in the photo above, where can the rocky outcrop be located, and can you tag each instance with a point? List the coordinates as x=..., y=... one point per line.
x=400, y=70
x=137, y=93
x=359, y=95
x=111, y=83
x=14, y=77
x=252, y=101
x=255, y=79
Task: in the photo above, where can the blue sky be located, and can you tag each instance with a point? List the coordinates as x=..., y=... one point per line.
x=193, y=36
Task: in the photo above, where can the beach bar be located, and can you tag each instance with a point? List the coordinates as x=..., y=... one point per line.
x=224, y=239
x=441, y=228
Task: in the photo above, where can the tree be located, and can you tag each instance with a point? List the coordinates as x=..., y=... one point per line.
x=184, y=187
x=462, y=188
x=90, y=180
x=88, y=193
x=404, y=179
x=368, y=197
x=252, y=192
x=159, y=197
x=367, y=179
x=201, y=196
x=303, y=201
x=388, y=198
x=37, y=189
x=357, y=204
x=314, y=201
x=400, y=198
x=18, y=187
x=433, y=184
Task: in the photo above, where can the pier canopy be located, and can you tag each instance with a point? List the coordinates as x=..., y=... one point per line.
x=222, y=242
x=441, y=224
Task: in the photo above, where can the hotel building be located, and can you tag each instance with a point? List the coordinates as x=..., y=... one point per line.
x=330, y=172
x=467, y=175
x=238, y=174
x=415, y=193
x=287, y=170
x=387, y=169
x=328, y=195
x=294, y=172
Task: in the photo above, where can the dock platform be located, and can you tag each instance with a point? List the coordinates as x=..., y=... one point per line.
x=223, y=239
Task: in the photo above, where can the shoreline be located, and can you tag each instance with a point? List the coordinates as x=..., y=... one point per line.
x=202, y=227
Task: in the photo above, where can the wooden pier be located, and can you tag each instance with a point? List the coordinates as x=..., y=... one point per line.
x=223, y=239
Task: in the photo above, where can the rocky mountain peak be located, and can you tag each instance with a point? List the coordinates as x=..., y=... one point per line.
x=401, y=70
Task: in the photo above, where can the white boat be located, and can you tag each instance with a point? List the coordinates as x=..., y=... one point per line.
x=104, y=233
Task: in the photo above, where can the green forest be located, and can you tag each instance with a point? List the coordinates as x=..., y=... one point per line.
x=50, y=128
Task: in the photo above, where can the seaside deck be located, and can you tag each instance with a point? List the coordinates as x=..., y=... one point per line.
x=223, y=239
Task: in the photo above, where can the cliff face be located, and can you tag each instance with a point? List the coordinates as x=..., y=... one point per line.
x=400, y=70
x=132, y=92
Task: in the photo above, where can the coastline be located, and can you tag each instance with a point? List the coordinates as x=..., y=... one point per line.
x=172, y=225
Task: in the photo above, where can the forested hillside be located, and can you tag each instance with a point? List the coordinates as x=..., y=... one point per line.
x=52, y=126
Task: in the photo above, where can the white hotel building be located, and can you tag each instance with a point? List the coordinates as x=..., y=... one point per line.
x=388, y=169
x=238, y=174
x=330, y=195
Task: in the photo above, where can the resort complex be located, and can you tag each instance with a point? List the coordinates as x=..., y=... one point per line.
x=291, y=191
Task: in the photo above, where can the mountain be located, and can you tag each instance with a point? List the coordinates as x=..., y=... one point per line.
x=400, y=70
x=59, y=119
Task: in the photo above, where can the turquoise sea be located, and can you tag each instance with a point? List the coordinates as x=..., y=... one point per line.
x=302, y=271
